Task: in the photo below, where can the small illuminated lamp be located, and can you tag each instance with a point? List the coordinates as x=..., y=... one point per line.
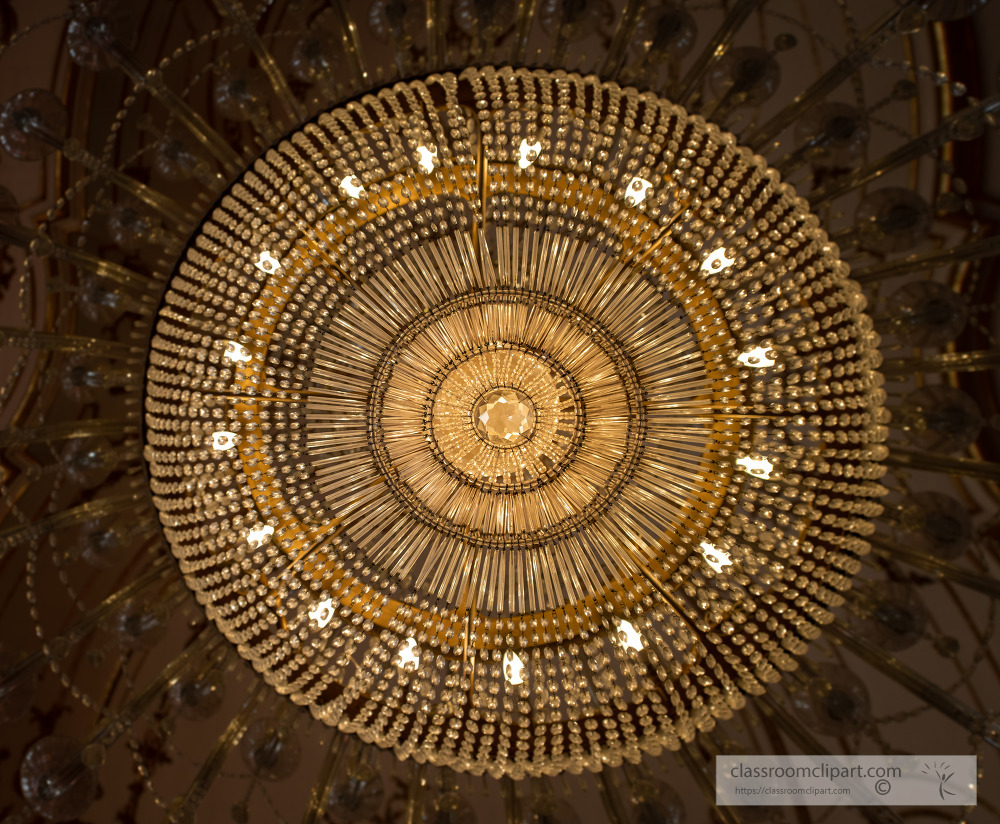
x=236, y=352
x=223, y=440
x=259, y=535
x=756, y=358
x=267, y=263
x=636, y=192
x=428, y=158
x=716, y=558
x=513, y=666
x=717, y=261
x=629, y=635
x=759, y=467
x=409, y=655
x=351, y=187
x=528, y=153
x=322, y=613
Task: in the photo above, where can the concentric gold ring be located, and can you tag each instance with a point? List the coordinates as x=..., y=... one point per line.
x=538, y=490
x=554, y=418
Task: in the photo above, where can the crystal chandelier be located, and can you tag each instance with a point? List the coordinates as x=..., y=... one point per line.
x=524, y=391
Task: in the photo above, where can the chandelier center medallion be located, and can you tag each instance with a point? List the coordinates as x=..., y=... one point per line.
x=504, y=417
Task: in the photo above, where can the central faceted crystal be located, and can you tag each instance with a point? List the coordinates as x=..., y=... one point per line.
x=504, y=417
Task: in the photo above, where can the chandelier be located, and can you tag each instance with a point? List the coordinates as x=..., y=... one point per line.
x=420, y=404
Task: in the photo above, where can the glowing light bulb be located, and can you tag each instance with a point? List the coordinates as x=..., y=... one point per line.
x=223, y=440
x=267, y=263
x=715, y=558
x=409, y=655
x=629, y=635
x=259, y=535
x=428, y=158
x=322, y=613
x=351, y=186
x=756, y=357
x=761, y=467
x=636, y=191
x=717, y=261
x=512, y=668
x=528, y=153
x=236, y=353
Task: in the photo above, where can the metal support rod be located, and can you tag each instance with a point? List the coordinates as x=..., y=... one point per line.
x=627, y=22
x=68, y=430
x=697, y=768
x=769, y=706
x=921, y=145
x=193, y=653
x=42, y=246
x=109, y=505
x=416, y=793
x=837, y=74
x=324, y=780
x=944, y=570
x=519, y=46
x=983, y=360
x=612, y=801
x=164, y=571
x=152, y=81
x=293, y=108
x=78, y=344
x=717, y=47
x=902, y=458
x=920, y=686
x=351, y=42
x=929, y=260
x=182, y=810
x=435, y=32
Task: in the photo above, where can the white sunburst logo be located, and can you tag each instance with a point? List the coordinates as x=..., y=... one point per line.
x=259, y=535
x=223, y=440
x=757, y=358
x=758, y=467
